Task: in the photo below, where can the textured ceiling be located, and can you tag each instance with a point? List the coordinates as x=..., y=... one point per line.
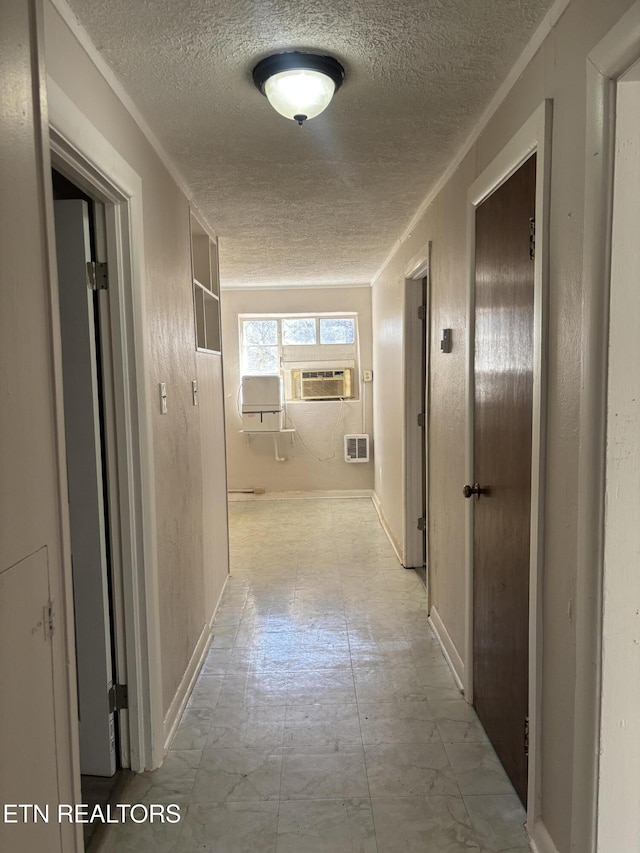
x=325, y=202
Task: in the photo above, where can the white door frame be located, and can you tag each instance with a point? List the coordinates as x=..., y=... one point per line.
x=606, y=63
x=83, y=155
x=416, y=270
x=533, y=136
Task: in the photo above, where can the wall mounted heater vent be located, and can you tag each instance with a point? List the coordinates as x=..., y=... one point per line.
x=356, y=448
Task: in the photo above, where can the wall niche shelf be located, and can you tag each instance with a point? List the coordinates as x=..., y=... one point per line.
x=206, y=289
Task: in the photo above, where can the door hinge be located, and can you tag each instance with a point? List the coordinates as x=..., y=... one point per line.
x=97, y=275
x=532, y=239
x=526, y=736
x=422, y=312
x=422, y=523
x=49, y=626
x=421, y=420
x=118, y=697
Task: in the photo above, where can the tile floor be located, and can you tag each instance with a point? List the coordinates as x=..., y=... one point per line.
x=325, y=718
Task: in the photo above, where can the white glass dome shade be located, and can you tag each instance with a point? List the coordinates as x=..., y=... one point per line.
x=299, y=93
x=298, y=86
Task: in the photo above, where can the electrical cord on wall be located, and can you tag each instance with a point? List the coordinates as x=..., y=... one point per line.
x=333, y=434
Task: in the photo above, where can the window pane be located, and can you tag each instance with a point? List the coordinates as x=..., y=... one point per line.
x=299, y=331
x=260, y=332
x=337, y=331
x=258, y=359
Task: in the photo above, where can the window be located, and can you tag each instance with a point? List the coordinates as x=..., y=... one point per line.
x=295, y=346
x=301, y=332
x=337, y=331
x=261, y=353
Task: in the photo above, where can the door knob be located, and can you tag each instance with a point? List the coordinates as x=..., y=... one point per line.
x=469, y=491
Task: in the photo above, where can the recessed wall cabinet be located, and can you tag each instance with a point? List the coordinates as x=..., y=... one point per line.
x=206, y=289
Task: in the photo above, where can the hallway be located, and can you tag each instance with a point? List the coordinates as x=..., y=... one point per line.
x=325, y=718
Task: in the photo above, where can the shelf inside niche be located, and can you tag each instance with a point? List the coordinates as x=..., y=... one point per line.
x=206, y=289
x=201, y=262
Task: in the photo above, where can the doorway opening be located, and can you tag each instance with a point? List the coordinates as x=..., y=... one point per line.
x=85, y=158
x=416, y=415
x=533, y=138
x=501, y=494
x=91, y=453
x=605, y=742
x=618, y=820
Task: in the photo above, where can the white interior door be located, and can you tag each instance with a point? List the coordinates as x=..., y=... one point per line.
x=86, y=490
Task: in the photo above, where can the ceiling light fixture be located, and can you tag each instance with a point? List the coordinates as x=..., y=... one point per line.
x=298, y=85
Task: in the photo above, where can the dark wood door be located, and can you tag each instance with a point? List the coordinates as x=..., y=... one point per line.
x=503, y=374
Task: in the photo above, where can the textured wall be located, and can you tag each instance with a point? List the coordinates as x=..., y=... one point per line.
x=388, y=333
x=254, y=464
x=558, y=72
x=178, y=436
x=31, y=513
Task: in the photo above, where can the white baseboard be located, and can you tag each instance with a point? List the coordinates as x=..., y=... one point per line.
x=179, y=702
x=300, y=496
x=449, y=650
x=385, y=526
x=541, y=840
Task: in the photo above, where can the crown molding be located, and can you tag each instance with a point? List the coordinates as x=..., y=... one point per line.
x=546, y=26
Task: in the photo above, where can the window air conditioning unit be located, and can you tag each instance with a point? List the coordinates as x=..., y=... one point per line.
x=356, y=448
x=325, y=384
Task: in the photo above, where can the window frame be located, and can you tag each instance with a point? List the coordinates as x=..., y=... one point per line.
x=329, y=347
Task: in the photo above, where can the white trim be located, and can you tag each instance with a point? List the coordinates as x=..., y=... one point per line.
x=449, y=650
x=419, y=264
x=412, y=542
x=188, y=681
x=534, y=135
x=90, y=158
x=546, y=26
x=619, y=49
x=541, y=840
x=599, y=135
x=60, y=580
x=385, y=526
x=314, y=286
x=301, y=496
x=608, y=61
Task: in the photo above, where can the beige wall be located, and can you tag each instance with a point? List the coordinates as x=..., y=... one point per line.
x=253, y=464
x=37, y=724
x=189, y=581
x=557, y=72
